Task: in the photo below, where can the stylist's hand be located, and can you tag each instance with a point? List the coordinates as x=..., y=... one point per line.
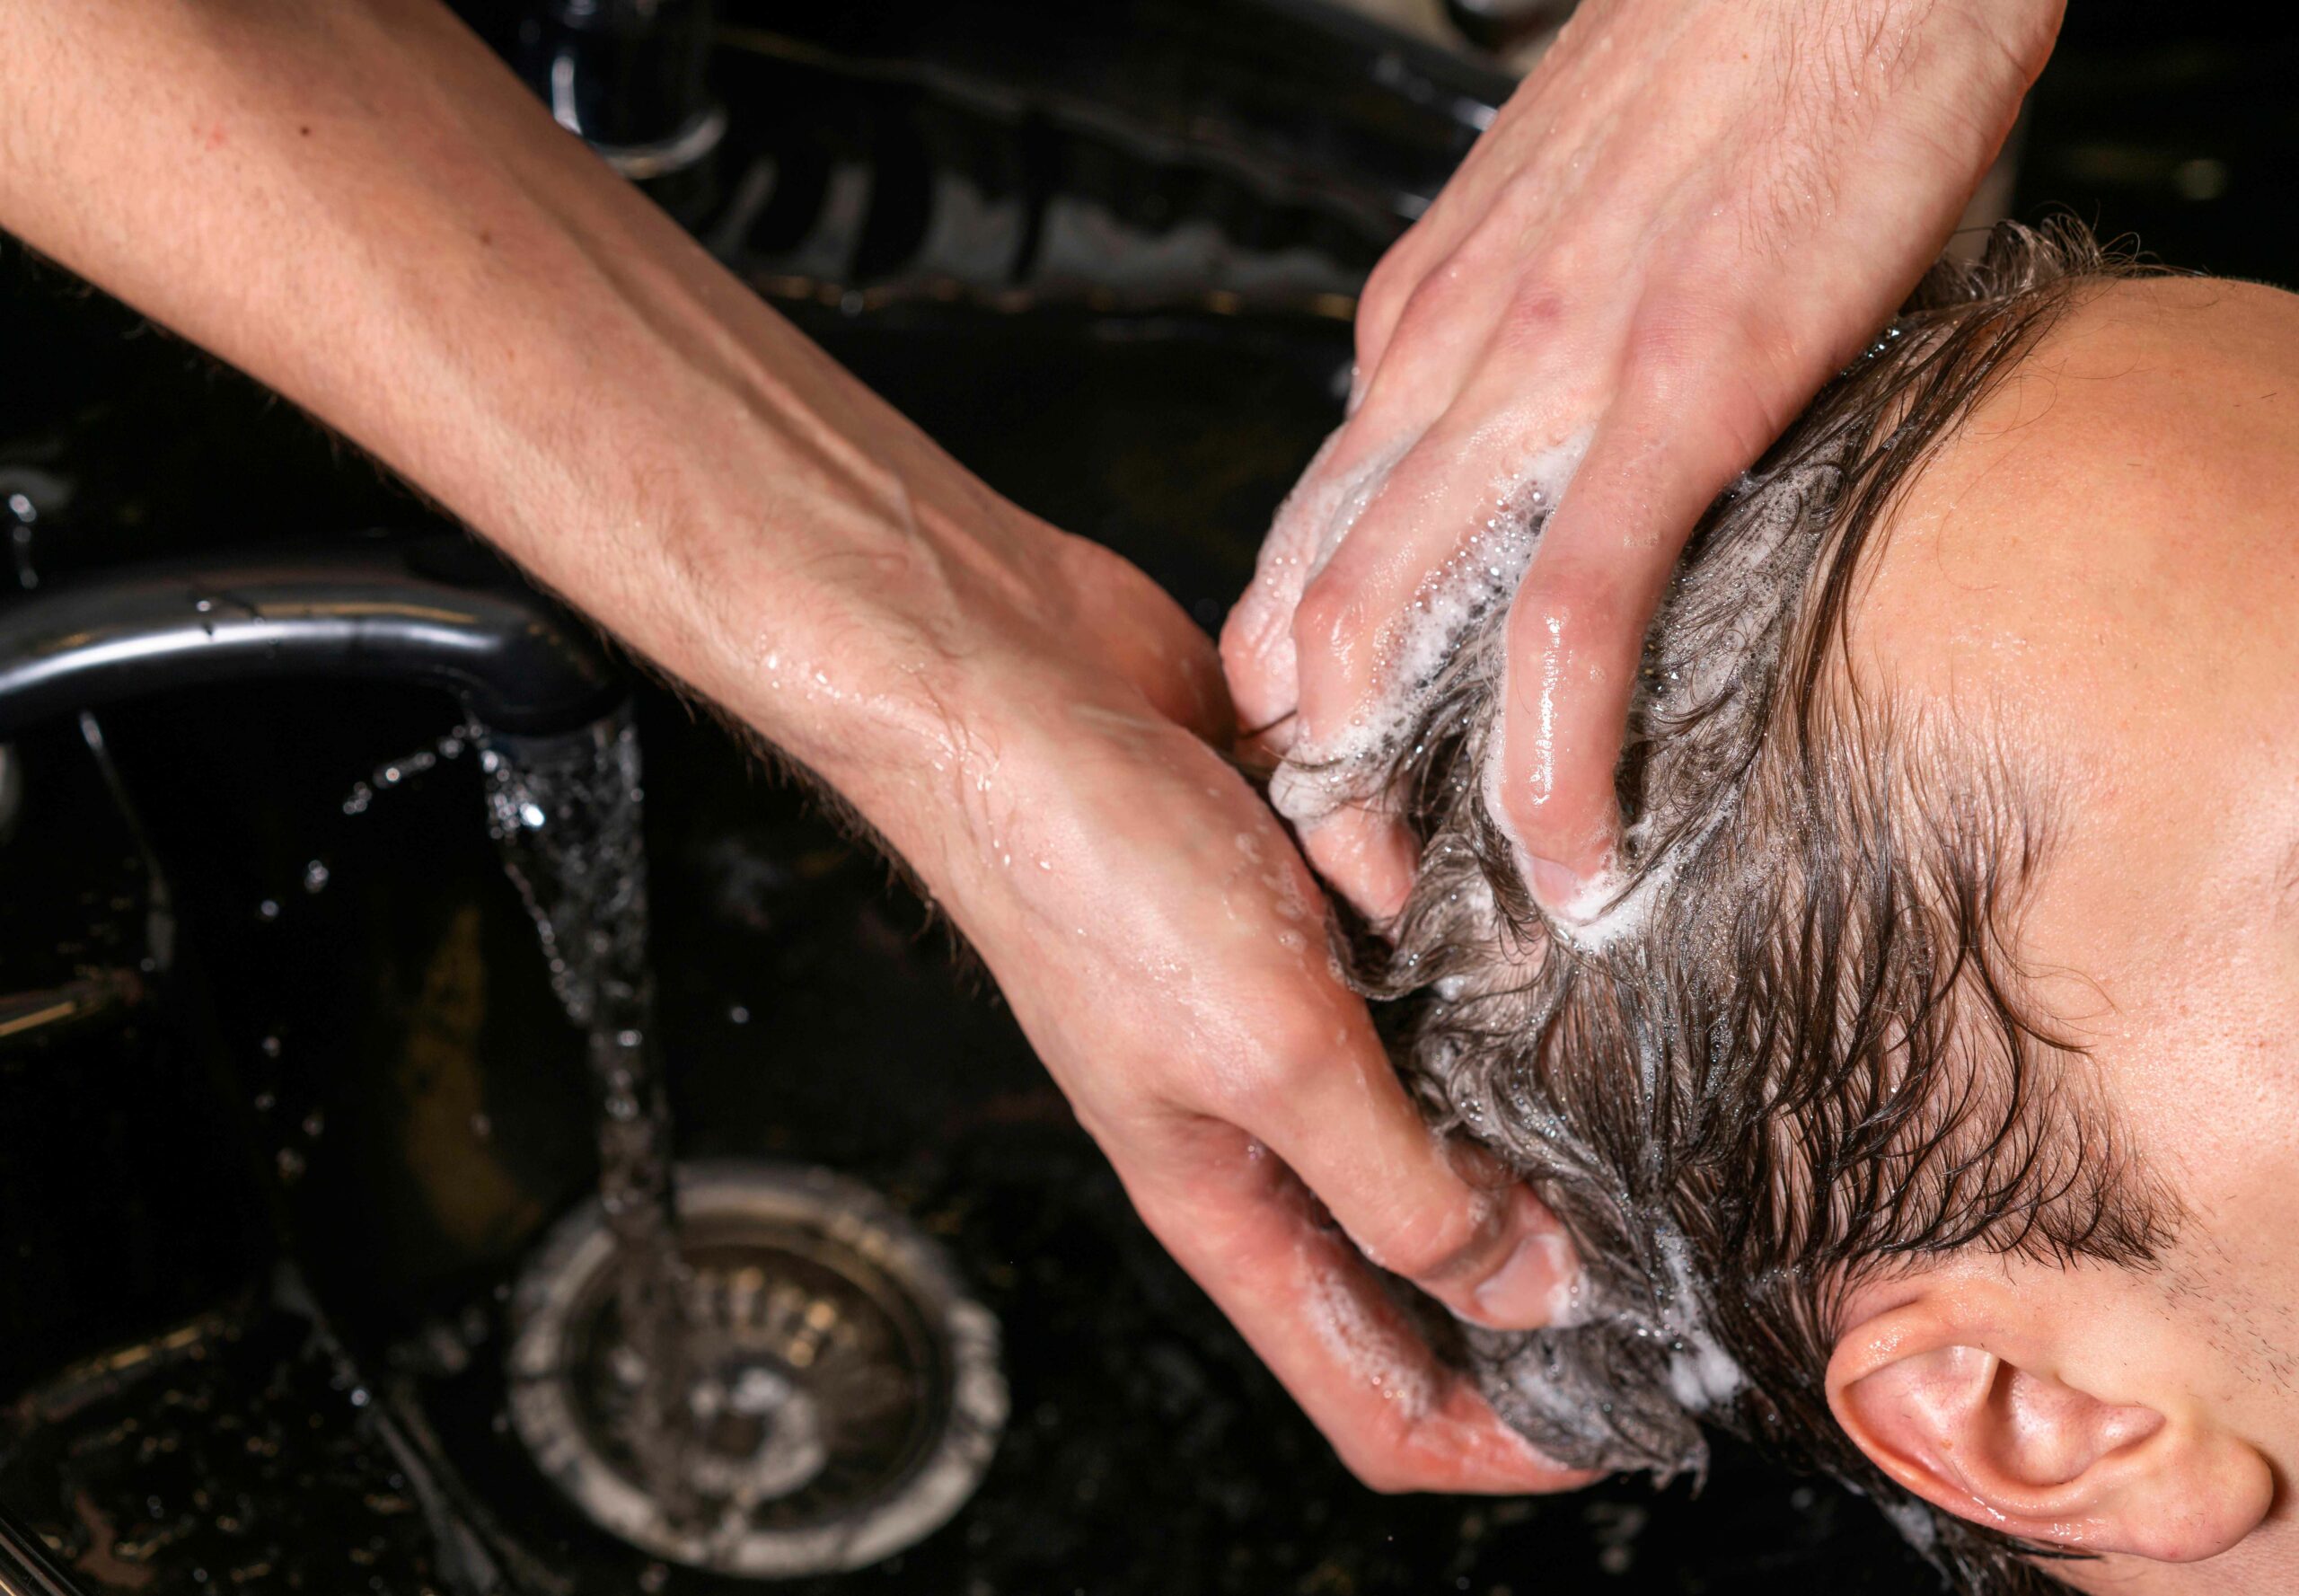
x=1686, y=220
x=1033, y=724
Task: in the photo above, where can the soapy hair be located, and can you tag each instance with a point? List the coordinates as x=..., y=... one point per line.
x=1797, y=1052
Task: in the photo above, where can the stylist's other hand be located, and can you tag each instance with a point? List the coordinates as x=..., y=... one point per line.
x=1033, y=724
x=1684, y=221
x=375, y=219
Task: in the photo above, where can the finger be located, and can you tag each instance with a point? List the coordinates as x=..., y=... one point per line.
x=1449, y=534
x=1443, y=1216
x=1471, y=197
x=1576, y=638
x=1443, y=543
x=1257, y=639
x=1422, y=325
x=1368, y=855
x=1257, y=650
x=1399, y=1418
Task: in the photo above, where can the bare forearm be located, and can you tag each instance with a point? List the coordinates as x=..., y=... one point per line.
x=352, y=200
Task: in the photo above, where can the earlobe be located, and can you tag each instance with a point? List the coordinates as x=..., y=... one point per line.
x=1961, y=1408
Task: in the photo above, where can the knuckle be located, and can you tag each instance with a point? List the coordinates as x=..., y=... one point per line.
x=1431, y=1245
x=1560, y=609
x=1244, y=646
x=1327, y=617
x=1738, y=366
x=1269, y=1092
x=1377, y=314
x=1280, y=1084
x=1432, y=303
x=1668, y=350
x=1533, y=322
x=1386, y=288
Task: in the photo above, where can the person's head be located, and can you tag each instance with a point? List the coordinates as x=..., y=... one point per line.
x=1925, y=1108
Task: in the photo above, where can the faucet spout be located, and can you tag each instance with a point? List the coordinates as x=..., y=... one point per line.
x=435, y=612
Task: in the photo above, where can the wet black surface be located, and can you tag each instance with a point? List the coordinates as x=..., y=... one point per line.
x=363, y=1068
x=225, y=1454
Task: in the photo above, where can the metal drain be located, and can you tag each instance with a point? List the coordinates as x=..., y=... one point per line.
x=845, y=1397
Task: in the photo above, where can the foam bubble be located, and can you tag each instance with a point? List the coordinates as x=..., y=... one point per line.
x=1913, y=1520
x=1360, y=1340
x=1702, y=1375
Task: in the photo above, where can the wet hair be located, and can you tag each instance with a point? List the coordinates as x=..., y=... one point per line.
x=1799, y=1053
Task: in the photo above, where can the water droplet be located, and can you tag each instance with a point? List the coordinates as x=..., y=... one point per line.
x=315, y=876
x=291, y=1166
x=268, y=909
x=481, y=1127
x=738, y=1015
x=531, y=816
x=270, y=1046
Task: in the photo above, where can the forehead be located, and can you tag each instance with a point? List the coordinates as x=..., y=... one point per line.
x=2101, y=566
x=2101, y=574
x=2117, y=516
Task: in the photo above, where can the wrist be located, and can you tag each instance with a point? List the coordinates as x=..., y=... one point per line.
x=857, y=645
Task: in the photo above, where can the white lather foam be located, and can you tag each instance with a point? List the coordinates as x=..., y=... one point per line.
x=1702, y=1375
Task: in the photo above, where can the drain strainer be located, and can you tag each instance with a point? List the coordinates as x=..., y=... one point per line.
x=843, y=1396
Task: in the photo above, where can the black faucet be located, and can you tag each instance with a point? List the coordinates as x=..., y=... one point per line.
x=439, y=611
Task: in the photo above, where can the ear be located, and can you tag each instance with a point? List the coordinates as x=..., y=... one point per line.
x=1983, y=1416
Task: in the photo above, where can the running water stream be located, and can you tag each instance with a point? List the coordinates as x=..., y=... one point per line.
x=565, y=812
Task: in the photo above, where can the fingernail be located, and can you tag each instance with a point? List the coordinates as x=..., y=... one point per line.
x=1557, y=887
x=1535, y=1288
